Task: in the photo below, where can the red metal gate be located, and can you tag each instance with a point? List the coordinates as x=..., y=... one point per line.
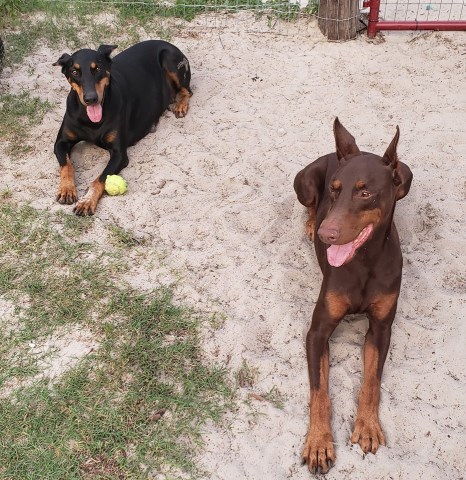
x=415, y=15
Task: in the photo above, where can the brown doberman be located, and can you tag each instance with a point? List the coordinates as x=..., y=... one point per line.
x=351, y=197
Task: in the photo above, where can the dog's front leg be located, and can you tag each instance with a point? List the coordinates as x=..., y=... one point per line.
x=318, y=451
x=88, y=204
x=367, y=430
x=67, y=192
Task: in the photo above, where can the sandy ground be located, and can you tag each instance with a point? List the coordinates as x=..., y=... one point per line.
x=212, y=195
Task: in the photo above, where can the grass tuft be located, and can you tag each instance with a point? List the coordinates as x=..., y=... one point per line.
x=131, y=406
x=18, y=113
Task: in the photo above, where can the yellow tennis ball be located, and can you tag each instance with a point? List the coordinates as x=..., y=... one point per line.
x=115, y=185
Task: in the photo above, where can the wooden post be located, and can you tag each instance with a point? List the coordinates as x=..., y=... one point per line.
x=338, y=19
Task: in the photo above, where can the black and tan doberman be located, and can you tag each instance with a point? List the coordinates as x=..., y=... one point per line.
x=113, y=103
x=350, y=196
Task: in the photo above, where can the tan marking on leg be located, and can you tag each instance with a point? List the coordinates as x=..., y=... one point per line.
x=337, y=304
x=181, y=107
x=382, y=305
x=318, y=449
x=110, y=137
x=67, y=192
x=311, y=223
x=88, y=204
x=367, y=430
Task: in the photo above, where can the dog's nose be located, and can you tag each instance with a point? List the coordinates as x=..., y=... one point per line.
x=90, y=98
x=328, y=233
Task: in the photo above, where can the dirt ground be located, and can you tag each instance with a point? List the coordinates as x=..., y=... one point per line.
x=212, y=196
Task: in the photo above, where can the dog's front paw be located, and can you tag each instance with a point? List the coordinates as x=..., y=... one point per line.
x=85, y=206
x=67, y=194
x=368, y=433
x=180, y=109
x=319, y=453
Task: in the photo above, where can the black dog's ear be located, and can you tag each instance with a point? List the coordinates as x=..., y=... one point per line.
x=64, y=61
x=345, y=142
x=402, y=175
x=106, y=50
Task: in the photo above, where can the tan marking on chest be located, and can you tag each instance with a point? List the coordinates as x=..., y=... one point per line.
x=382, y=305
x=337, y=304
x=111, y=136
x=69, y=134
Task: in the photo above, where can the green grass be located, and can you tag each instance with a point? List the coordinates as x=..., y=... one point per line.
x=71, y=24
x=120, y=237
x=135, y=404
x=18, y=113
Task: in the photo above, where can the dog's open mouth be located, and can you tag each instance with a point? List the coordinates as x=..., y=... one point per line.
x=338, y=255
x=94, y=112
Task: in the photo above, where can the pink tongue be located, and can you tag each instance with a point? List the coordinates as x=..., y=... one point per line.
x=94, y=112
x=338, y=254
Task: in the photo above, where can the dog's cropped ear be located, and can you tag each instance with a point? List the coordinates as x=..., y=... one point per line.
x=345, y=142
x=106, y=50
x=64, y=61
x=402, y=175
x=390, y=157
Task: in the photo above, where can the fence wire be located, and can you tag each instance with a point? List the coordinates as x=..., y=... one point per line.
x=437, y=10
x=262, y=16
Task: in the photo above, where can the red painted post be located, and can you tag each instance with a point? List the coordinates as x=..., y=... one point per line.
x=373, y=18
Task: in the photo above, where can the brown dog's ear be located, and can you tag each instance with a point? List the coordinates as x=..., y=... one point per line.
x=345, y=142
x=402, y=175
x=390, y=156
x=64, y=61
x=106, y=50
x=309, y=183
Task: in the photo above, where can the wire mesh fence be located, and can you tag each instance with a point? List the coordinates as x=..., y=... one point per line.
x=250, y=15
x=405, y=10
x=416, y=15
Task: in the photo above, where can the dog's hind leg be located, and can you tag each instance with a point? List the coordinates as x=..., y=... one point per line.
x=178, y=73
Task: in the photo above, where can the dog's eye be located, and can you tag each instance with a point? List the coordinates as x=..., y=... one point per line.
x=365, y=194
x=97, y=69
x=74, y=72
